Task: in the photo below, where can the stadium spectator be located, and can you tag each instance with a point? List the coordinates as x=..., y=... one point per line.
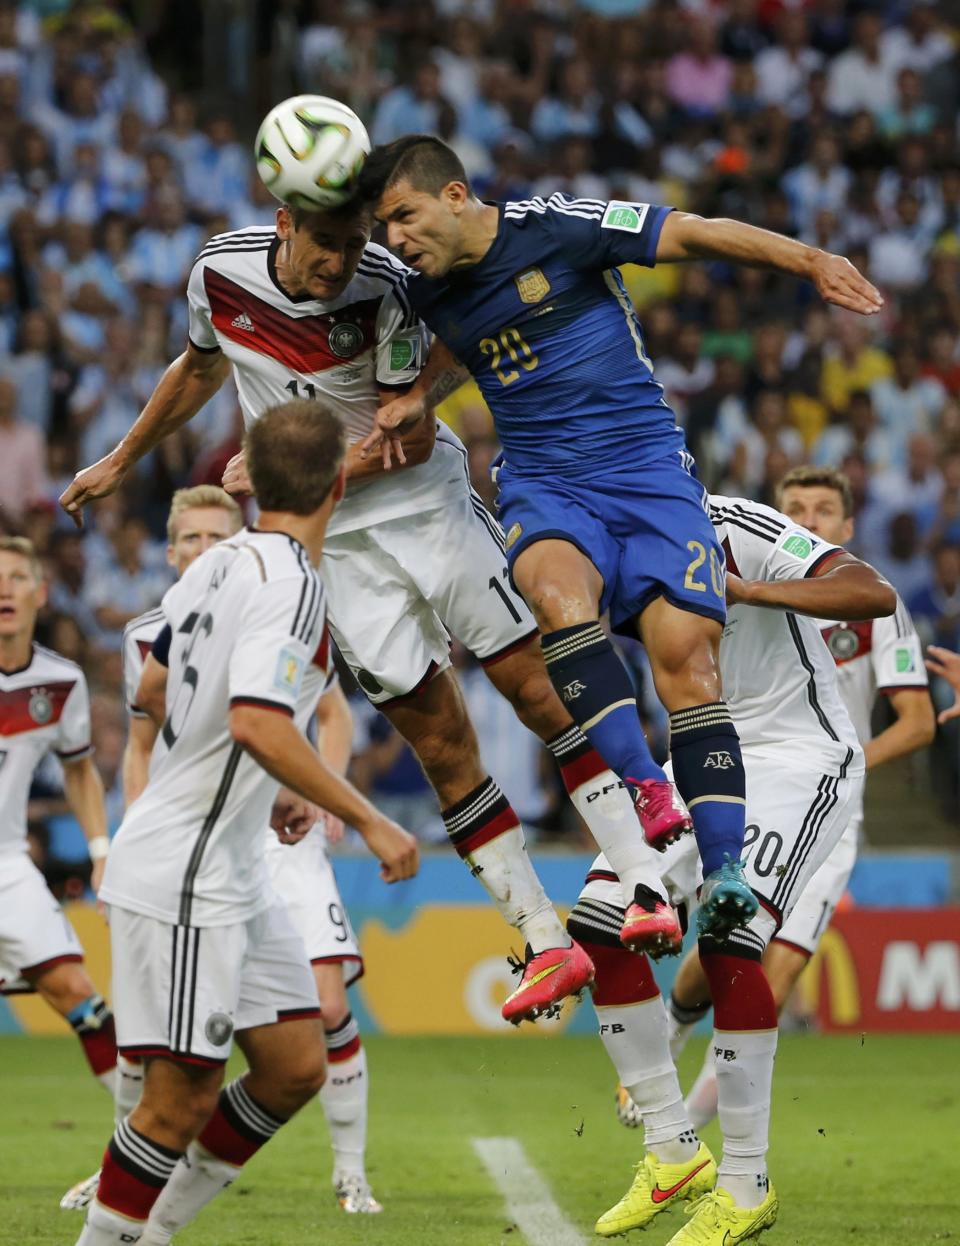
x=23, y=473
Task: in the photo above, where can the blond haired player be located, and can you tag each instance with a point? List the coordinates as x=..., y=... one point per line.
x=202, y=949
x=201, y=517
x=313, y=308
x=872, y=656
x=44, y=708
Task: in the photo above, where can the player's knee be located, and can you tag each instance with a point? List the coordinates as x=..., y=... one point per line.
x=334, y=1006
x=304, y=1077
x=555, y=605
x=538, y=707
x=176, y=1119
x=65, y=986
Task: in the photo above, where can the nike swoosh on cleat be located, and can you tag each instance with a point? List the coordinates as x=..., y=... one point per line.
x=660, y=1196
x=544, y=973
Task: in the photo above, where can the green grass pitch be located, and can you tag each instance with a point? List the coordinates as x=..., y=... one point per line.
x=865, y=1145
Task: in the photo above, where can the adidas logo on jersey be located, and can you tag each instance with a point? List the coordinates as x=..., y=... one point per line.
x=243, y=321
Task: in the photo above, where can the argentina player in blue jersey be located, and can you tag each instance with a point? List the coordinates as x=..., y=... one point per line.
x=597, y=492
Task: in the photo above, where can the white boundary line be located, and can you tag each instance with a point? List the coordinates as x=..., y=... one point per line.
x=525, y=1193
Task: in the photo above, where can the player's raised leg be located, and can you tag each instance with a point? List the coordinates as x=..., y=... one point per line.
x=676, y=1165
x=600, y=797
x=67, y=988
x=563, y=588
x=684, y=652
x=486, y=832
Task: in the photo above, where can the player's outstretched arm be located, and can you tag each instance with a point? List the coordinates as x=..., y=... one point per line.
x=946, y=663
x=188, y=383
x=688, y=237
x=273, y=741
x=83, y=788
x=841, y=588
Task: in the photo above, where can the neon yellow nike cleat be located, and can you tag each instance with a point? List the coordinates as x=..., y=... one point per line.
x=656, y=1187
x=716, y=1220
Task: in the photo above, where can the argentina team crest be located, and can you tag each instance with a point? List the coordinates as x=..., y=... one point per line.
x=40, y=707
x=532, y=285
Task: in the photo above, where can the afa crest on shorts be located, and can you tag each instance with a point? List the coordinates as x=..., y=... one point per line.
x=532, y=285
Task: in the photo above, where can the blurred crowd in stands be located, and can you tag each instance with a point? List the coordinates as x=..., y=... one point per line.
x=125, y=143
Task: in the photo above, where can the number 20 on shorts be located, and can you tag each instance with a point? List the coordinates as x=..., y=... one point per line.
x=690, y=580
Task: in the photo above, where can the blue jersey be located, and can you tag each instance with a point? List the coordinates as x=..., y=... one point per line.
x=545, y=326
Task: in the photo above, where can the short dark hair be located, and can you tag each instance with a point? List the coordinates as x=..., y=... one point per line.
x=819, y=478
x=420, y=159
x=294, y=452
x=353, y=207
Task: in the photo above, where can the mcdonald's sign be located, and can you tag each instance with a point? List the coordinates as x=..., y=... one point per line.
x=893, y=970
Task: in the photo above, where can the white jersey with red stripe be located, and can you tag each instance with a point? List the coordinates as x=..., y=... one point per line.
x=778, y=677
x=343, y=351
x=876, y=655
x=248, y=622
x=138, y=638
x=44, y=707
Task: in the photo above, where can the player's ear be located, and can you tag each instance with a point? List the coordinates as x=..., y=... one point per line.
x=171, y=556
x=284, y=223
x=846, y=535
x=456, y=196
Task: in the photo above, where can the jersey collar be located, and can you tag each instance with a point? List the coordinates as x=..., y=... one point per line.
x=18, y=670
x=272, y=250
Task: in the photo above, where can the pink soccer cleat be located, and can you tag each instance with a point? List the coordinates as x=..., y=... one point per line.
x=650, y=925
x=663, y=815
x=546, y=979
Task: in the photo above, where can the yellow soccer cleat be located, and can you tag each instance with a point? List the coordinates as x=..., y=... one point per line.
x=716, y=1220
x=656, y=1187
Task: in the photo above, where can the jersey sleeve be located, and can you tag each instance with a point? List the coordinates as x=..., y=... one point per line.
x=897, y=654
x=200, y=331
x=597, y=235
x=402, y=342
x=795, y=555
x=270, y=658
x=132, y=670
x=73, y=736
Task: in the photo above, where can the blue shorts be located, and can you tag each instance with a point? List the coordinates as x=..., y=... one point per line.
x=646, y=530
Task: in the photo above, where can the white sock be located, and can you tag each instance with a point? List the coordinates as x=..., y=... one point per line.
x=744, y=1070
x=344, y=1101
x=608, y=810
x=108, y=1228
x=635, y=1036
x=127, y=1087
x=108, y=1081
x=681, y=1022
x=197, y=1179
x=701, y=1101
x=502, y=866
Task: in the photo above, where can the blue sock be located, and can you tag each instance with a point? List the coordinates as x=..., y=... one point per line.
x=597, y=692
x=708, y=772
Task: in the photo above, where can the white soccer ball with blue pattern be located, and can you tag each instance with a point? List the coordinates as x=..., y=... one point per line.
x=310, y=150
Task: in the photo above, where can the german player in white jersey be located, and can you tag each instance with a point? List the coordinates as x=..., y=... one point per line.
x=301, y=872
x=45, y=708
x=872, y=656
x=804, y=769
x=202, y=949
x=316, y=309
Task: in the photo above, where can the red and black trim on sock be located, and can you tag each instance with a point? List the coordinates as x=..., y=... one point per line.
x=481, y=817
x=134, y=1171
x=239, y=1126
x=92, y=1022
x=343, y=1041
x=578, y=760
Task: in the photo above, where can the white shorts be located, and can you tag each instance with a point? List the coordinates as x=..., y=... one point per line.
x=34, y=932
x=303, y=878
x=796, y=815
x=812, y=913
x=181, y=991
x=399, y=589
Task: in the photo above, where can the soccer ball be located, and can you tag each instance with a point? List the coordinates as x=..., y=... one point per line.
x=310, y=150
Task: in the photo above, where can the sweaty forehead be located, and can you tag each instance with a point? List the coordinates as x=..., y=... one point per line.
x=400, y=197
